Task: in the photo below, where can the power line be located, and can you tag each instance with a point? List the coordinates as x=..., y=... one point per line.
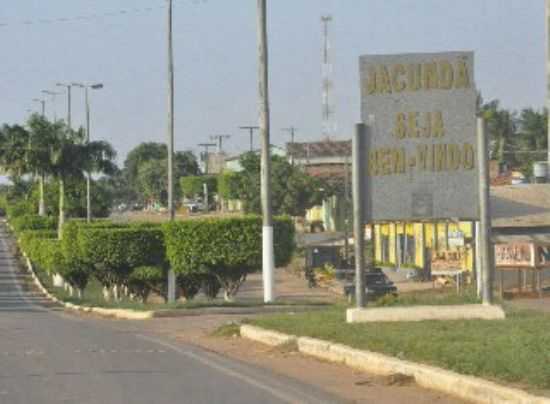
x=94, y=16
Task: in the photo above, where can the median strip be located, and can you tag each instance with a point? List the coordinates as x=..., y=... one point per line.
x=469, y=388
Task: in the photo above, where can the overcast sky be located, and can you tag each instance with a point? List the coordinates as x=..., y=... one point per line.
x=215, y=58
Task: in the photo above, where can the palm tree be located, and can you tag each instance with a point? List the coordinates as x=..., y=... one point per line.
x=42, y=134
x=72, y=157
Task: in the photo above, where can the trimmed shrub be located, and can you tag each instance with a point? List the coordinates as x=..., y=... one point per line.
x=51, y=256
x=146, y=279
x=76, y=270
x=20, y=208
x=193, y=283
x=116, y=252
x=33, y=222
x=30, y=242
x=228, y=249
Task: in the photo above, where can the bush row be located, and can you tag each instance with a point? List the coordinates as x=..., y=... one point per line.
x=206, y=254
x=224, y=250
x=33, y=222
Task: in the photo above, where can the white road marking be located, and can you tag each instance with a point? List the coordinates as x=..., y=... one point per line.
x=229, y=372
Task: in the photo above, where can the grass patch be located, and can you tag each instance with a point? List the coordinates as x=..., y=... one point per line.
x=228, y=330
x=514, y=350
x=430, y=297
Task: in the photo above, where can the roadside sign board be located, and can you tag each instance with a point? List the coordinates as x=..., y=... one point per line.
x=515, y=255
x=421, y=149
x=522, y=255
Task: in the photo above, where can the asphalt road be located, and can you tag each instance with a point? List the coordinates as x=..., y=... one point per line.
x=48, y=356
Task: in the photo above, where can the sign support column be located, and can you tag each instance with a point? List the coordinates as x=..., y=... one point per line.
x=359, y=192
x=485, y=250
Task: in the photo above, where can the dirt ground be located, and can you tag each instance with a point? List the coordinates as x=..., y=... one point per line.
x=352, y=386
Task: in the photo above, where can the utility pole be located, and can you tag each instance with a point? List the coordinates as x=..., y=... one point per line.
x=328, y=107
x=251, y=130
x=206, y=154
x=69, y=88
x=219, y=139
x=43, y=104
x=292, y=131
x=486, y=245
x=268, y=267
x=171, y=274
x=86, y=87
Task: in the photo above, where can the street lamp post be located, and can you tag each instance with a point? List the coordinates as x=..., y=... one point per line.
x=69, y=88
x=52, y=94
x=43, y=103
x=97, y=86
x=171, y=287
x=41, y=202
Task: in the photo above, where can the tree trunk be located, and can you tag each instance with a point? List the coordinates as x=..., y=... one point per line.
x=107, y=294
x=116, y=293
x=61, y=208
x=228, y=297
x=501, y=144
x=41, y=203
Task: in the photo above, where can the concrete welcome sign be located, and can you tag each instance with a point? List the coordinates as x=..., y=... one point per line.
x=421, y=151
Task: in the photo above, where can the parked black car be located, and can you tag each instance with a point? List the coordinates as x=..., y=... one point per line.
x=377, y=284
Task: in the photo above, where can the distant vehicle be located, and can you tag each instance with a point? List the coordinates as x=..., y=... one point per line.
x=137, y=206
x=377, y=284
x=193, y=206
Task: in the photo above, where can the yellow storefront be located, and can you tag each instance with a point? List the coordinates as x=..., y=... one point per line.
x=402, y=245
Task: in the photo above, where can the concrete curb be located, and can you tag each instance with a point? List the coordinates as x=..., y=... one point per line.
x=423, y=313
x=266, y=337
x=469, y=388
x=120, y=314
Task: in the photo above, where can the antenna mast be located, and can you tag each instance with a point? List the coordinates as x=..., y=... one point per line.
x=328, y=108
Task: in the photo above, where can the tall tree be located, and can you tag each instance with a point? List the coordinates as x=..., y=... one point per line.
x=15, y=150
x=501, y=125
x=149, y=158
x=139, y=155
x=293, y=191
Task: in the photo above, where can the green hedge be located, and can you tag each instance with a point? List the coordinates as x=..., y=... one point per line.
x=228, y=249
x=33, y=222
x=20, y=208
x=143, y=280
x=116, y=252
x=206, y=254
x=193, y=244
x=44, y=250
